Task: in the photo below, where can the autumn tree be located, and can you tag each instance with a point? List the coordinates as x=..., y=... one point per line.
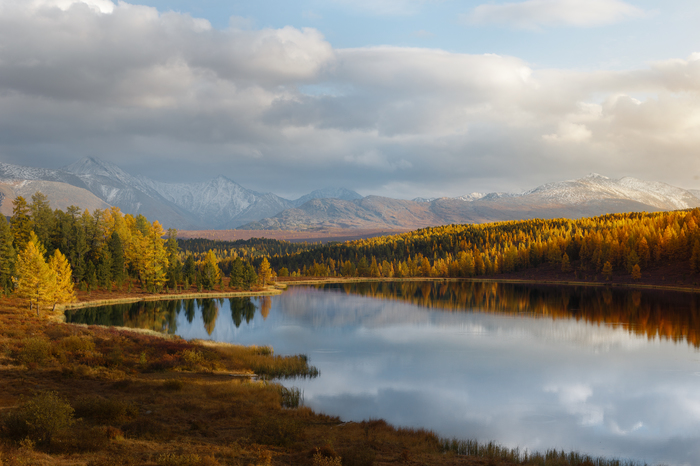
x=34, y=280
x=264, y=271
x=636, y=272
x=210, y=273
x=607, y=270
x=63, y=291
x=155, y=259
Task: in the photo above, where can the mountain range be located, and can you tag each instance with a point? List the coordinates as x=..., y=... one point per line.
x=92, y=183
x=222, y=203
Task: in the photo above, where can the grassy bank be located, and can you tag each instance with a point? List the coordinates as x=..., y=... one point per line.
x=79, y=395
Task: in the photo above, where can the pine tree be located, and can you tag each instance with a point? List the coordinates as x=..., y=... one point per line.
x=42, y=218
x=174, y=265
x=8, y=255
x=34, y=280
x=21, y=224
x=249, y=276
x=189, y=270
x=264, y=271
x=60, y=267
x=104, y=269
x=236, y=276
x=116, y=250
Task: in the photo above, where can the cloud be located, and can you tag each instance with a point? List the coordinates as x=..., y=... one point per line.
x=170, y=96
x=535, y=14
x=384, y=7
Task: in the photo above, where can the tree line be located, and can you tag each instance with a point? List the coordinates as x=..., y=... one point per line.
x=45, y=253
x=621, y=243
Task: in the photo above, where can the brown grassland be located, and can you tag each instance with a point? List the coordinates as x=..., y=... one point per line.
x=97, y=396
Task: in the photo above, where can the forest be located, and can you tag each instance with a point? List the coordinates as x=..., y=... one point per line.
x=615, y=243
x=45, y=254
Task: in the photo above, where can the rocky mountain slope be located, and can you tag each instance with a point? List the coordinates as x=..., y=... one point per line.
x=589, y=196
x=217, y=204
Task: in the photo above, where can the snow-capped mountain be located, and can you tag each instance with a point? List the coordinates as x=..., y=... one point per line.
x=220, y=203
x=328, y=193
x=471, y=197
x=594, y=187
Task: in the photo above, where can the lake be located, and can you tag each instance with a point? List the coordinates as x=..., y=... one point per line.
x=604, y=371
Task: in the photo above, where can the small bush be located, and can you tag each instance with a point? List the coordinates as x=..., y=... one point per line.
x=173, y=385
x=102, y=410
x=192, y=358
x=358, y=455
x=35, y=351
x=75, y=344
x=280, y=431
x=40, y=418
x=145, y=428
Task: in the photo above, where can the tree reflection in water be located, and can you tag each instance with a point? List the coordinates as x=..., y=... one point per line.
x=666, y=314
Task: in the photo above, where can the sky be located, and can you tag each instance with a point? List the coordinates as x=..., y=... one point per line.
x=399, y=98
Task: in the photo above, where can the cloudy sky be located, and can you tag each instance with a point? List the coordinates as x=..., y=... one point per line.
x=402, y=98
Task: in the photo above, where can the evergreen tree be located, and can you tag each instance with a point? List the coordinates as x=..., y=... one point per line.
x=104, y=269
x=249, y=276
x=190, y=269
x=116, y=251
x=91, y=276
x=8, y=255
x=21, y=224
x=174, y=265
x=42, y=218
x=237, y=270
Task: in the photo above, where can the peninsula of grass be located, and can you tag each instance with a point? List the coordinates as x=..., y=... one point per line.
x=99, y=396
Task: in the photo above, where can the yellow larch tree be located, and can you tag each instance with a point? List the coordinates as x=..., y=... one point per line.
x=60, y=267
x=264, y=271
x=34, y=280
x=155, y=258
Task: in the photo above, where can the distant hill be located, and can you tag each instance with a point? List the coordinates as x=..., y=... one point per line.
x=589, y=196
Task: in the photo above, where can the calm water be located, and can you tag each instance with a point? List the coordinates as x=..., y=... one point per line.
x=613, y=373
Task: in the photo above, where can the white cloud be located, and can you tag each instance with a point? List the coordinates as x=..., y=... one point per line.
x=534, y=14
x=283, y=106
